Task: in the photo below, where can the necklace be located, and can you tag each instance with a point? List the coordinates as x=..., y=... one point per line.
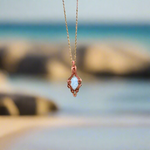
x=74, y=81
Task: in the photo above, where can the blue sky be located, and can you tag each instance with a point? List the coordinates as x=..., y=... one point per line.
x=100, y=11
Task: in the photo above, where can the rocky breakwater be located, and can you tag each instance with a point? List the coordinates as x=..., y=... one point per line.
x=95, y=60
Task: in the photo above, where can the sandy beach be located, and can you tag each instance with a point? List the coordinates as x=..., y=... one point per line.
x=14, y=127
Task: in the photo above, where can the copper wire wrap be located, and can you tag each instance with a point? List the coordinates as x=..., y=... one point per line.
x=74, y=73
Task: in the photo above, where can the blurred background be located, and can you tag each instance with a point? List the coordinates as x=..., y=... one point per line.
x=112, y=108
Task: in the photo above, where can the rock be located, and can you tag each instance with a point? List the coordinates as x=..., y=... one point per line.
x=98, y=60
x=120, y=60
x=15, y=104
x=25, y=58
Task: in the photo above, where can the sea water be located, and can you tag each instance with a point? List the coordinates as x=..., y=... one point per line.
x=138, y=34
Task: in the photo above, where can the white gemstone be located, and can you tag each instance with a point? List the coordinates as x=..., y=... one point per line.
x=74, y=82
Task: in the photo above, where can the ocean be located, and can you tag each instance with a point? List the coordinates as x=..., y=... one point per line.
x=101, y=97
x=136, y=34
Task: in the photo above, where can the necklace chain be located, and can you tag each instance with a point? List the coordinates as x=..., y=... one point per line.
x=69, y=45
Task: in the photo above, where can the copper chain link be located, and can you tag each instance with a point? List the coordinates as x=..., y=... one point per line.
x=69, y=45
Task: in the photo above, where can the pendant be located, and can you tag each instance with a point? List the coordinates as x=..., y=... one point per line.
x=74, y=82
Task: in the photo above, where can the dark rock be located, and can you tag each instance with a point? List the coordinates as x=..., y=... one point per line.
x=15, y=104
x=100, y=60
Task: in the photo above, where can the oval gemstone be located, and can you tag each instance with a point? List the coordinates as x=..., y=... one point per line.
x=74, y=82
